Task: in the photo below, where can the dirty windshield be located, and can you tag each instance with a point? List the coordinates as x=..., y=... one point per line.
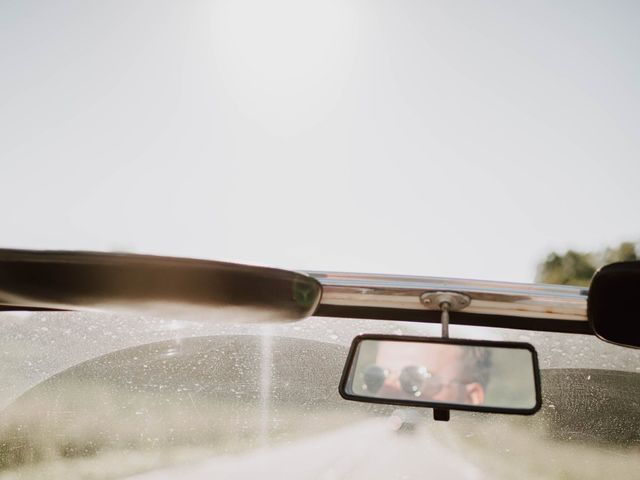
x=99, y=396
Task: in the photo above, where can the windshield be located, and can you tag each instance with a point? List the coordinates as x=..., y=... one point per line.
x=100, y=396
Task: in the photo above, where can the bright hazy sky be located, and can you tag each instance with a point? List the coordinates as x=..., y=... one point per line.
x=460, y=138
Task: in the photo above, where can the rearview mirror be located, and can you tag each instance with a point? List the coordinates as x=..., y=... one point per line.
x=443, y=373
x=613, y=304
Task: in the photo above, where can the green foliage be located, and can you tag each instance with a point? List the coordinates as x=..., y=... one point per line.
x=577, y=268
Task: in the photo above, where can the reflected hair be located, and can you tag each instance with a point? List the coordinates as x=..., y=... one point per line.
x=477, y=364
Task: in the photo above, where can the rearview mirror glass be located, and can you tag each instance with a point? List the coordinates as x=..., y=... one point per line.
x=614, y=303
x=478, y=375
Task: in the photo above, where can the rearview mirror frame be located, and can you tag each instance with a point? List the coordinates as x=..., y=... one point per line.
x=346, y=374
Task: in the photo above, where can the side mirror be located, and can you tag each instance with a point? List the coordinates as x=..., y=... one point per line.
x=443, y=373
x=613, y=304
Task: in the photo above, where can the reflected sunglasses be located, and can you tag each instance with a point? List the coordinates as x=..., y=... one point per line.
x=414, y=380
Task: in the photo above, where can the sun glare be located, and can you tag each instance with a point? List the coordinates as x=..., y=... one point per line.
x=285, y=62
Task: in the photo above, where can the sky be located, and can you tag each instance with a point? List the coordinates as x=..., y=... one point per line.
x=464, y=139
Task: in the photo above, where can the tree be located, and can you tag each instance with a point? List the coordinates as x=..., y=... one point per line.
x=577, y=268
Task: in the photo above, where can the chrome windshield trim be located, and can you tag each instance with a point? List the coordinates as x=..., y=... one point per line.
x=552, y=302
x=165, y=285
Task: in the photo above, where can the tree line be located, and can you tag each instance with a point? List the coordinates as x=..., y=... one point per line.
x=577, y=268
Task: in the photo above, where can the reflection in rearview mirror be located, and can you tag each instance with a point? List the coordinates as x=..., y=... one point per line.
x=443, y=373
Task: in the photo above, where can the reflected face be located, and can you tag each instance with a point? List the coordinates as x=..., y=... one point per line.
x=430, y=372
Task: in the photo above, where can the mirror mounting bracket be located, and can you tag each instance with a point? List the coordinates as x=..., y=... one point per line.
x=445, y=302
